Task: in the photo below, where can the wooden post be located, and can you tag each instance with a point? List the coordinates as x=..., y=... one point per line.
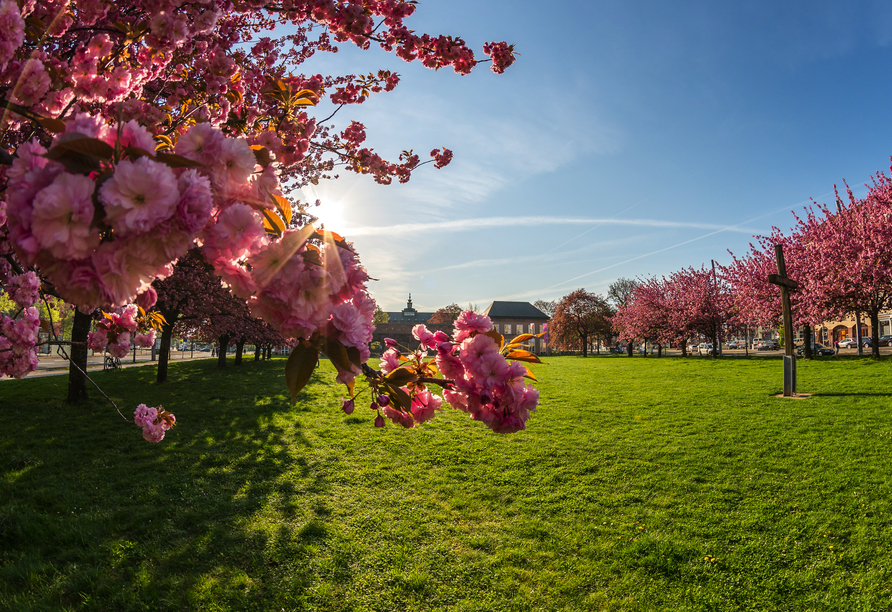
x=786, y=285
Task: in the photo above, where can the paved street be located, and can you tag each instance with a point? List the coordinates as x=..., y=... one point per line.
x=52, y=364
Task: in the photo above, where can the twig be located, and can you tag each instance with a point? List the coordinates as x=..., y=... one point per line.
x=61, y=351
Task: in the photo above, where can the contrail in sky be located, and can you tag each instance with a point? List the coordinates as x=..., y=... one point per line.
x=472, y=224
x=717, y=231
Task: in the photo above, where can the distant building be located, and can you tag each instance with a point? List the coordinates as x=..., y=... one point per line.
x=514, y=318
x=409, y=315
x=399, y=327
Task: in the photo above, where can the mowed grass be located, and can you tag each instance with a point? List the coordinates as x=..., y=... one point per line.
x=641, y=484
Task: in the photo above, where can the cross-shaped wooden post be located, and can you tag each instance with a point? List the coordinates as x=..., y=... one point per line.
x=786, y=286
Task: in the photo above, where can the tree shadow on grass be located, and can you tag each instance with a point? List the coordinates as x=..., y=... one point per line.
x=852, y=394
x=226, y=510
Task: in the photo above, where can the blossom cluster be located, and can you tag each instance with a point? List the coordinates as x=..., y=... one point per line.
x=18, y=340
x=155, y=422
x=148, y=214
x=477, y=378
x=116, y=333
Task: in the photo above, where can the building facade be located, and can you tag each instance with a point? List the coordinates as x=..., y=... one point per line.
x=399, y=327
x=514, y=318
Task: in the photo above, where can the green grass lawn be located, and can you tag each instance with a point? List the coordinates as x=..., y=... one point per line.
x=641, y=484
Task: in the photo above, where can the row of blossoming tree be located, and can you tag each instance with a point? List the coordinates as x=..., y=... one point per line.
x=136, y=131
x=841, y=257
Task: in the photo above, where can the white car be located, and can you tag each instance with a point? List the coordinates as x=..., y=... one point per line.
x=848, y=343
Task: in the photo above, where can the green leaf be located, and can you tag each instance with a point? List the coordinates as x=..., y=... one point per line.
x=299, y=368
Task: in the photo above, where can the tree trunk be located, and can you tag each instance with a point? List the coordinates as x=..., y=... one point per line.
x=257, y=353
x=807, y=341
x=684, y=348
x=221, y=355
x=269, y=351
x=164, y=354
x=629, y=348
x=875, y=333
x=585, y=346
x=239, y=347
x=77, y=379
x=659, y=350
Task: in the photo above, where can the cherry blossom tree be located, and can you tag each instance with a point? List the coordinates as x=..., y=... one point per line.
x=648, y=314
x=136, y=130
x=846, y=257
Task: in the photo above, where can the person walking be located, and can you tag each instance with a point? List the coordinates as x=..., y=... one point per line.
x=836, y=345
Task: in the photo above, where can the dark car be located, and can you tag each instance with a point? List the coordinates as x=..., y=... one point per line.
x=816, y=349
x=885, y=341
x=768, y=345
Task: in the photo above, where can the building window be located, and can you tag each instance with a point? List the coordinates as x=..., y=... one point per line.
x=496, y=327
x=507, y=328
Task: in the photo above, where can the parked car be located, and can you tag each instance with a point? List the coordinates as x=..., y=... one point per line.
x=816, y=349
x=768, y=345
x=705, y=348
x=885, y=341
x=848, y=343
x=736, y=344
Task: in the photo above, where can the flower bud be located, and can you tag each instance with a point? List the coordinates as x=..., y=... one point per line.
x=441, y=336
x=374, y=406
x=348, y=406
x=390, y=343
x=383, y=400
x=379, y=421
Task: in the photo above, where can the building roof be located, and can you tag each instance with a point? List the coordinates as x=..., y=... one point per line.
x=409, y=314
x=514, y=310
x=408, y=317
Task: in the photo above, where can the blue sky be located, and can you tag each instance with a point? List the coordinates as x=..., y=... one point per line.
x=630, y=139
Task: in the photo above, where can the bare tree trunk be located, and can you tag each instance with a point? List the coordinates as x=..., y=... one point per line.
x=257, y=353
x=239, y=347
x=269, y=351
x=77, y=379
x=659, y=350
x=221, y=356
x=875, y=333
x=164, y=355
x=807, y=340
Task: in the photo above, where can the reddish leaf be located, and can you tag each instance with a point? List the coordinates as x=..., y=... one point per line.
x=401, y=376
x=399, y=397
x=299, y=368
x=261, y=154
x=337, y=353
x=173, y=160
x=500, y=341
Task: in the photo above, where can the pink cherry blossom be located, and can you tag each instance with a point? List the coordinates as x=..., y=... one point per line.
x=139, y=196
x=62, y=217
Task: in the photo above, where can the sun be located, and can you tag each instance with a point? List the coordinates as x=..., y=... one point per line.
x=331, y=214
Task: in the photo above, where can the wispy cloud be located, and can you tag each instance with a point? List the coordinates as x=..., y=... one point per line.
x=462, y=225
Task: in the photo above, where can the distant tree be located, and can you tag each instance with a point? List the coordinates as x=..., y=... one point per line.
x=620, y=294
x=546, y=307
x=620, y=291
x=380, y=316
x=578, y=318
x=446, y=315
